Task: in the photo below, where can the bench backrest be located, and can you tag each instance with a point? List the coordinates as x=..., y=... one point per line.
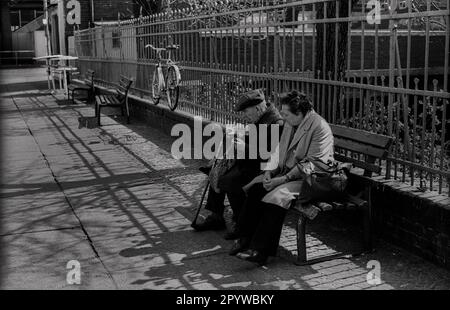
x=89, y=78
x=124, y=85
x=360, y=147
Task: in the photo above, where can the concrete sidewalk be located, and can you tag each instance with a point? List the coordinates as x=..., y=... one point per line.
x=114, y=199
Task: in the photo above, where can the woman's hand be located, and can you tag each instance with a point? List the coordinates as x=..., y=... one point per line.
x=272, y=183
x=267, y=176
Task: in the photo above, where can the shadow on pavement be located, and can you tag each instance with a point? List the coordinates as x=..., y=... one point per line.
x=21, y=87
x=135, y=202
x=87, y=122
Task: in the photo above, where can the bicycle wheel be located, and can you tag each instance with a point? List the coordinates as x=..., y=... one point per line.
x=172, y=88
x=156, y=87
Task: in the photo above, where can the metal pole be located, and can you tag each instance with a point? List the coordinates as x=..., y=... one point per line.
x=61, y=27
x=47, y=35
x=92, y=12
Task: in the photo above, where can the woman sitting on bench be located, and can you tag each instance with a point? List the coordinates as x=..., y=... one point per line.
x=306, y=147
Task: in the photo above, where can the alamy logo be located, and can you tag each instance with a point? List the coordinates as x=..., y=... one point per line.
x=74, y=274
x=374, y=276
x=238, y=142
x=374, y=16
x=73, y=12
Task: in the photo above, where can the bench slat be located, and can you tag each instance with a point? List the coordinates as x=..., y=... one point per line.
x=113, y=100
x=98, y=100
x=358, y=163
x=116, y=100
x=360, y=148
x=124, y=85
x=122, y=89
x=121, y=94
x=125, y=80
x=377, y=140
x=104, y=100
x=78, y=86
x=109, y=100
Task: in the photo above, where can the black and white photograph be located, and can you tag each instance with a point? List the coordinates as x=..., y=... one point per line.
x=244, y=147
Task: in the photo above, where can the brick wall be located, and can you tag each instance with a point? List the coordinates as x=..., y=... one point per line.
x=417, y=221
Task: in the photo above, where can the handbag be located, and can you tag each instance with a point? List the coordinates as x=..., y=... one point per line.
x=326, y=185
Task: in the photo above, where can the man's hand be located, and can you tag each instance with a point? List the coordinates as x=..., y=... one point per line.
x=272, y=183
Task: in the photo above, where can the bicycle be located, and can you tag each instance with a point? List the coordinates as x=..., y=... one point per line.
x=171, y=82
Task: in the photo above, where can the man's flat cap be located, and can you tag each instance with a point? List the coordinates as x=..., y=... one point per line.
x=249, y=99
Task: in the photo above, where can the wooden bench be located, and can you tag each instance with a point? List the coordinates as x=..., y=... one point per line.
x=88, y=86
x=364, y=150
x=116, y=100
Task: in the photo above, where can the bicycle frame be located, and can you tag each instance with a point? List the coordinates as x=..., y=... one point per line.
x=167, y=81
x=169, y=63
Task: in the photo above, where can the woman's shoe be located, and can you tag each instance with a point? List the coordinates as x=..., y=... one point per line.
x=239, y=246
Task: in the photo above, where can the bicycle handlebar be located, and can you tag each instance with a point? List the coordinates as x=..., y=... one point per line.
x=159, y=49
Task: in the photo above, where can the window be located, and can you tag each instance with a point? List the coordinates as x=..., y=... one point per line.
x=116, y=39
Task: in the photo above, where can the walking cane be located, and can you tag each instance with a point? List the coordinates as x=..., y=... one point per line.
x=193, y=225
x=200, y=206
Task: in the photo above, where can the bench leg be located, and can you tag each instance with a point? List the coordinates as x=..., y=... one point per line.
x=367, y=222
x=90, y=97
x=128, y=110
x=301, y=240
x=97, y=112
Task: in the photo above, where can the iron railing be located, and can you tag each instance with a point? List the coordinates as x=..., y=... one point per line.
x=389, y=77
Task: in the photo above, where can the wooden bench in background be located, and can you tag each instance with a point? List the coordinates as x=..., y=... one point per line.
x=369, y=148
x=116, y=100
x=88, y=87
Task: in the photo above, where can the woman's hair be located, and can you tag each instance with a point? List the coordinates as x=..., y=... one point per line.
x=297, y=102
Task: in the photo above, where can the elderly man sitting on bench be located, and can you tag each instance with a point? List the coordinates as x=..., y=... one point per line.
x=227, y=177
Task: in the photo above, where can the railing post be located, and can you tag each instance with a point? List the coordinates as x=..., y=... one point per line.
x=392, y=29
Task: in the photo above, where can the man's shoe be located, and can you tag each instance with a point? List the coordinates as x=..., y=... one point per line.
x=257, y=257
x=239, y=245
x=211, y=223
x=244, y=255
